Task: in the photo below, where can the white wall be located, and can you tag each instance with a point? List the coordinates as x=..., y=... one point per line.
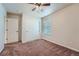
x=2, y=31
x=65, y=27
x=30, y=28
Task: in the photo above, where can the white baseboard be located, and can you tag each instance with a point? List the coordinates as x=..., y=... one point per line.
x=62, y=45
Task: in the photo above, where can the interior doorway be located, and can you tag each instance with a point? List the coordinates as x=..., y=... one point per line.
x=13, y=28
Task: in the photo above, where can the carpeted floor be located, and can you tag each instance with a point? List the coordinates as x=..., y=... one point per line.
x=37, y=48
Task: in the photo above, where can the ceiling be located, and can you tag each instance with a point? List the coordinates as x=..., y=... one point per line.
x=27, y=8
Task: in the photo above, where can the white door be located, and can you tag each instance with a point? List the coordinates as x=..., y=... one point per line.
x=12, y=29
x=30, y=29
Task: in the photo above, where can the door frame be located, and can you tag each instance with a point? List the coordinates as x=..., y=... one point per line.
x=19, y=26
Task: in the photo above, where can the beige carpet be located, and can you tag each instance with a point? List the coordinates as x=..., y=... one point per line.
x=37, y=48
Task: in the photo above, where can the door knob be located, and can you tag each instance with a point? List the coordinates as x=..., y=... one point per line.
x=17, y=31
x=6, y=38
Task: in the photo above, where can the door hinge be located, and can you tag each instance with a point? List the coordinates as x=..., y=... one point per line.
x=6, y=20
x=6, y=29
